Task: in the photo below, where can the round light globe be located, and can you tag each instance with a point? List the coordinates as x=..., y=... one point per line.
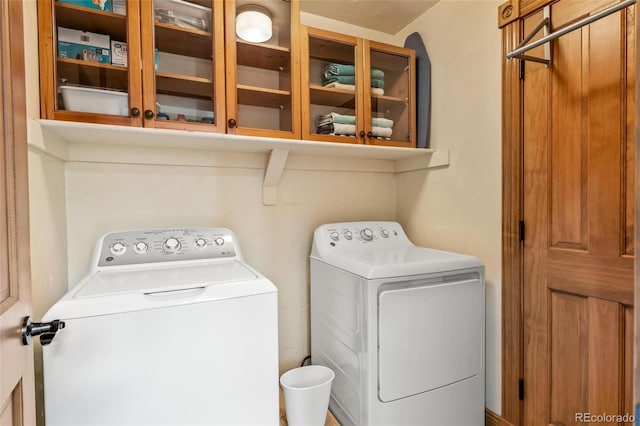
x=253, y=24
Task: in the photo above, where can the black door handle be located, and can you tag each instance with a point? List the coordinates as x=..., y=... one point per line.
x=46, y=330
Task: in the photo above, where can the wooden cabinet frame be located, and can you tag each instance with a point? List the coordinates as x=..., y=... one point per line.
x=48, y=64
x=362, y=97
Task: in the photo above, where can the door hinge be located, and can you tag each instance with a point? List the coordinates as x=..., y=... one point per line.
x=521, y=389
x=521, y=70
x=521, y=230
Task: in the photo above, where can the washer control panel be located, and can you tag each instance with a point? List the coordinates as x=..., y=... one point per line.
x=165, y=245
x=361, y=234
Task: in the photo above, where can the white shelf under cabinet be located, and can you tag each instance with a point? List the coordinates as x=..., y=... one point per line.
x=74, y=141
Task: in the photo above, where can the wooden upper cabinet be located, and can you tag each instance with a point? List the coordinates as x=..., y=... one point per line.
x=183, y=64
x=263, y=77
x=186, y=68
x=356, y=91
x=173, y=70
x=75, y=65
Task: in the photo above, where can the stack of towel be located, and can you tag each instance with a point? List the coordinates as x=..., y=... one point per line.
x=339, y=76
x=338, y=124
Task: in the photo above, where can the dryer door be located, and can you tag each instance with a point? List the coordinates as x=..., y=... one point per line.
x=429, y=336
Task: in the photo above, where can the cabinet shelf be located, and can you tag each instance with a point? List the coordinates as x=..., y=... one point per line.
x=382, y=103
x=183, y=41
x=264, y=56
x=93, y=20
x=332, y=97
x=259, y=96
x=181, y=85
x=95, y=74
x=331, y=51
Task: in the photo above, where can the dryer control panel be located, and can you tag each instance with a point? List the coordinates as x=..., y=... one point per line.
x=165, y=245
x=357, y=235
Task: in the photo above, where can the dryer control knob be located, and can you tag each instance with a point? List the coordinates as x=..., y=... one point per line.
x=366, y=234
x=334, y=236
x=348, y=235
x=140, y=247
x=172, y=245
x=201, y=243
x=384, y=233
x=118, y=248
x=219, y=241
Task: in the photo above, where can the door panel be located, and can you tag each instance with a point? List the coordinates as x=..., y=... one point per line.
x=578, y=210
x=16, y=365
x=410, y=343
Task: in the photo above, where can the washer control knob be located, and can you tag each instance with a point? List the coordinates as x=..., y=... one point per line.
x=140, y=247
x=201, y=243
x=384, y=233
x=334, y=236
x=348, y=235
x=366, y=234
x=219, y=241
x=118, y=249
x=172, y=245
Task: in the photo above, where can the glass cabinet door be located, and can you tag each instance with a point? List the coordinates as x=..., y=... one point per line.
x=262, y=67
x=183, y=72
x=390, y=84
x=331, y=80
x=90, y=76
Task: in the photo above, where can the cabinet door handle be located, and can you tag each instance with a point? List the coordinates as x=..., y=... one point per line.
x=148, y=113
x=232, y=122
x=362, y=133
x=135, y=112
x=370, y=135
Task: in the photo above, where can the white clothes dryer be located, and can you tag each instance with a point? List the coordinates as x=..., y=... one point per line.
x=169, y=327
x=401, y=326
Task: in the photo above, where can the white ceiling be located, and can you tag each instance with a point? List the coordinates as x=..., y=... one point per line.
x=388, y=16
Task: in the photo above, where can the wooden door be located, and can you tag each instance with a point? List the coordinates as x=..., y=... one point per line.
x=578, y=149
x=17, y=406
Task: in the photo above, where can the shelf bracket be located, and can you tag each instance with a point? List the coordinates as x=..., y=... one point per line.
x=272, y=175
x=545, y=25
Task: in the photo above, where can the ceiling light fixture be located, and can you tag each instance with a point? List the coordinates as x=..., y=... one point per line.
x=253, y=23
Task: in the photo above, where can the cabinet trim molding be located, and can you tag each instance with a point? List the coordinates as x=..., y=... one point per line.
x=105, y=143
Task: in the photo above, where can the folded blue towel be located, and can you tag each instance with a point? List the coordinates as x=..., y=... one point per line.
x=341, y=69
x=376, y=82
x=334, y=117
x=338, y=69
x=381, y=122
x=344, y=79
x=350, y=79
x=378, y=74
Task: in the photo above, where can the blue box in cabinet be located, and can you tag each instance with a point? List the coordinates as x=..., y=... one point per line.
x=104, y=5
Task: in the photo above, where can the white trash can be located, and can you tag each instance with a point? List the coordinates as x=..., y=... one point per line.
x=306, y=394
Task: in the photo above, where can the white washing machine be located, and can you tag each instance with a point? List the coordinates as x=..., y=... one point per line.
x=401, y=326
x=169, y=327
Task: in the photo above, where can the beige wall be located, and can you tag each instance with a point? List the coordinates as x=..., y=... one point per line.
x=276, y=240
x=459, y=208
x=455, y=208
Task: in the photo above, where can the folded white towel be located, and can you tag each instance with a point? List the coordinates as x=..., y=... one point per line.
x=344, y=129
x=382, y=132
x=336, y=85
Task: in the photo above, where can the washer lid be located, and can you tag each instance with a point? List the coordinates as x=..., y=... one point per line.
x=144, y=280
x=138, y=289
x=399, y=262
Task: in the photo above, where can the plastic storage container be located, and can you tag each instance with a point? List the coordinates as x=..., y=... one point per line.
x=99, y=101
